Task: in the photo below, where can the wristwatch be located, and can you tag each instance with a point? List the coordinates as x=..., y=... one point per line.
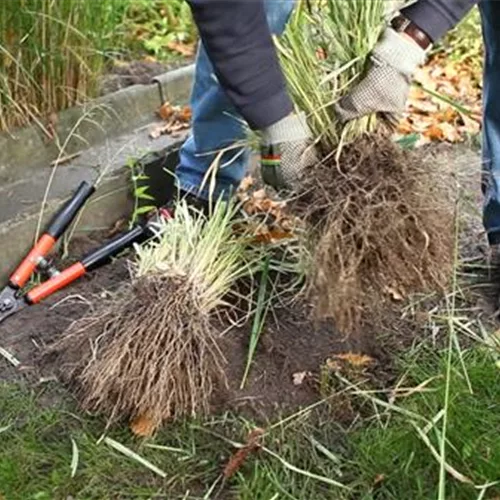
x=403, y=25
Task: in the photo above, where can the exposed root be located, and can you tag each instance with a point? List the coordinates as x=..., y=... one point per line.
x=383, y=227
x=152, y=352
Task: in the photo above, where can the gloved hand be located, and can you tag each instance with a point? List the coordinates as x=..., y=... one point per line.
x=386, y=86
x=287, y=152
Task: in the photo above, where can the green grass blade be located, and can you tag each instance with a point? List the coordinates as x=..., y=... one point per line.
x=259, y=319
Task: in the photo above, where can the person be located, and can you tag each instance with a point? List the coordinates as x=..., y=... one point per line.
x=239, y=84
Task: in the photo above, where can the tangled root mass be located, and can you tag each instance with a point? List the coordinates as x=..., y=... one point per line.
x=150, y=352
x=383, y=225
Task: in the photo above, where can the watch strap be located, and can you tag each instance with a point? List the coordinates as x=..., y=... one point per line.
x=403, y=25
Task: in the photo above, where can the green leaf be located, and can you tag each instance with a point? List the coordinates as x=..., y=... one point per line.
x=141, y=190
x=144, y=210
x=146, y=197
x=408, y=142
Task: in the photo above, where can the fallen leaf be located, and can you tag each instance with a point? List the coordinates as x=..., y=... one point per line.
x=237, y=461
x=356, y=360
x=185, y=114
x=272, y=236
x=143, y=426
x=167, y=129
x=394, y=294
x=166, y=111
x=432, y=117
x=184, y=49
x=300, y=378
x=246, y=184
x=434, y=133
x=333, y=365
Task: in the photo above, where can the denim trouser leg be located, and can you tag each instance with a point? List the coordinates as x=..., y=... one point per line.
x=217, y=125
x=490, y=10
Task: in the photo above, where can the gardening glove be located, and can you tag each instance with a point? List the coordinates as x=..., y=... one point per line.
x=287, y=152
x=386, y=86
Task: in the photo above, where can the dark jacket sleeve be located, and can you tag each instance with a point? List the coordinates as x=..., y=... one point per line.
x=436, y=17
x=236, y=36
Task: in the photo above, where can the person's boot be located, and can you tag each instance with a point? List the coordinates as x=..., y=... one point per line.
x=167, y=211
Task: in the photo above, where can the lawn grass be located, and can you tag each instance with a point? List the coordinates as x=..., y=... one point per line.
x=35, y=462
x=389, y=458
x=383, y=458
x=37, y=452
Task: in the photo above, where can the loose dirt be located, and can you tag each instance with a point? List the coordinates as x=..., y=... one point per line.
x=291, y=344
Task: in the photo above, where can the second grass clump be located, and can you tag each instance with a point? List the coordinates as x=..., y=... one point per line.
x=152, y=352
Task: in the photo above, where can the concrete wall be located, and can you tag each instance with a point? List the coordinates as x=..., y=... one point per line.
x=97, y=141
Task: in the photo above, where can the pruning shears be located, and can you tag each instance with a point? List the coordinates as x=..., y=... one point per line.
x=12, y=298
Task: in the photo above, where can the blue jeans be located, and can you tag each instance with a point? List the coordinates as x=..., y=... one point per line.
x=490, y=10
x=217, y=126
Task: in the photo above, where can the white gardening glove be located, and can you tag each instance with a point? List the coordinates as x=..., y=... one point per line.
x=287, y=152
x=386, y=86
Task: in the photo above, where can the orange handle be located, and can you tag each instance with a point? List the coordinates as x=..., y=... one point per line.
x=56, y=283
x=23, y=273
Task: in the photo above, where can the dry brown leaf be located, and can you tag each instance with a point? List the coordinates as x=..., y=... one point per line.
x=185, y=114
x=394, y=294
x=143, y=426
x=246, y=184
x=451, y=133
x=168, y=129
x=435, y=133
x=260, y=194
x=434, y=119
x=184, y=49
x=166, y=111
x=237, y=461
x=272, y=236
x=356, y=360
x=333, y=365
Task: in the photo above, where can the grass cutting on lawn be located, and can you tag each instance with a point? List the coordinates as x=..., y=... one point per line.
x=338, y=345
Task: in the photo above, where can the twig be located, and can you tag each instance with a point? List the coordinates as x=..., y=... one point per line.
x=65, y=159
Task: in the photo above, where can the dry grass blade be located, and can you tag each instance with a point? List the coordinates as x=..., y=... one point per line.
x=75, y=457
x=449, y=469
x=134, y=456
x=10, y=358
x=310, y=475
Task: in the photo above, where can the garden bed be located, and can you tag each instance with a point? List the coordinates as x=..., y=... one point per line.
x=293, y=347
x=293, y=352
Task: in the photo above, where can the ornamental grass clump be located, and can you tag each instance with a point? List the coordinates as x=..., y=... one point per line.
x=151, y=352
x=381, y=218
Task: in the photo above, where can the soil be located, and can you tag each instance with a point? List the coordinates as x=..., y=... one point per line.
x=291, y=344
x=126, y=74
